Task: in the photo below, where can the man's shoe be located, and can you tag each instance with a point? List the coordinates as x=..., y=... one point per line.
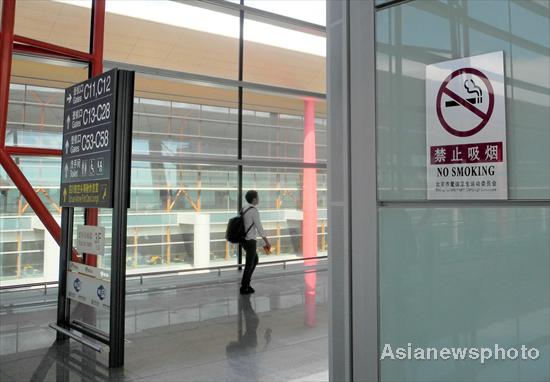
x=246, y=290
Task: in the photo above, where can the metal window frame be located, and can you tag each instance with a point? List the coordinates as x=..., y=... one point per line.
x=353, y=209
x=390, y=3
x=260, y=15
x=200, y=79
x=240, y=126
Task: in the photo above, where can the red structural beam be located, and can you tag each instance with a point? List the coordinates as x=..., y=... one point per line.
x=26, y=189
x=30, y=195
x=11, y=168
x=6, y=51
x=98, y=35
x=309, y=207
x=34, y=51
x=32, y=151
x=91, y=215
x=309, y=222
x=44, y=48
x=8, y=44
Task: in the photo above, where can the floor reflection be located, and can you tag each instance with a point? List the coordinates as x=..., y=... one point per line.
x=66, y=362
x=239, y=352
x=310, y=306
x=187, y=334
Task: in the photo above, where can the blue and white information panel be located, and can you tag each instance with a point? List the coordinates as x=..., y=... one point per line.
x=89, y=285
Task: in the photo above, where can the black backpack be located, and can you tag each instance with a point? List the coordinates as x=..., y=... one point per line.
x=235, y=232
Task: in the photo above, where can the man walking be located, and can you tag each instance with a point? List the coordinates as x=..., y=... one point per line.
x=253, y=227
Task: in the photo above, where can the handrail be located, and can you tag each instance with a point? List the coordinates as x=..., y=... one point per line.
x=219, y=267
x=141, y=276
x=28, y=286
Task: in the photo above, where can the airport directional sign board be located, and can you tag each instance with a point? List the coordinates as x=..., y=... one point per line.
x=96, y=172
x=88, y=142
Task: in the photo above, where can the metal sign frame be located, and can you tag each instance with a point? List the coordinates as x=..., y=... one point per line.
x=121, y=167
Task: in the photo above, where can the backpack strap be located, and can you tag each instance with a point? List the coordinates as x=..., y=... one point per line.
x=248, y=230
x=248, y=209
x=252, y=225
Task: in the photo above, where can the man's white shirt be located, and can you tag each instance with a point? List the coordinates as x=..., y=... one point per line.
x=252, y=217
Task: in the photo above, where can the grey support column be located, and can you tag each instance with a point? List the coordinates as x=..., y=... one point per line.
x=352, y=192
x=364, y=219
x=340, y=338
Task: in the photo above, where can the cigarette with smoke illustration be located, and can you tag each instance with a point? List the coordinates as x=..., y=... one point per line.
x=471, y=88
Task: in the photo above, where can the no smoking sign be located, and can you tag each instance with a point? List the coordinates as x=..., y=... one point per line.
x=466, y=128
x=457, y=109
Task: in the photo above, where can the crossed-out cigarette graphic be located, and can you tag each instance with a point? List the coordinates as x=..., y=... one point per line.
x=471, y=88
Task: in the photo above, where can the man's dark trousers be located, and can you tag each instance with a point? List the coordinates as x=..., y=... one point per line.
x=251, y=261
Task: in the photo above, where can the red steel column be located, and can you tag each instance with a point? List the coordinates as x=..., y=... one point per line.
x=309, y=198
x=96, y=49
x=309, y=227
x=98, y=36
x=6, y=51
x=9, y=165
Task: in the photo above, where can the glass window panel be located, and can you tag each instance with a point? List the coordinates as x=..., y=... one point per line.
x=162, y=190
x=44, y=173
x=461, y=277
x=299, y=58
x=21, y=246
x=282, y=200
x=64, y=23
x=35, y=110
x=530, y=22
x=177, y=118
x=179, y=214
x=313, y=11
x=403, y=51
x=274, y=127
x=172, y=35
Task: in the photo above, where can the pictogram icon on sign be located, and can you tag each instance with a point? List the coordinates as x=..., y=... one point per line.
x=469, y=102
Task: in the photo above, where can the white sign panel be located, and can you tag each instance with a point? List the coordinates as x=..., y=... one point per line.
x=89, y=290
x=90, y=239
x=466, y=128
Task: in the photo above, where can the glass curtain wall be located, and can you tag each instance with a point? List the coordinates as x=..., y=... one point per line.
x=198, y=145
x=463, y=274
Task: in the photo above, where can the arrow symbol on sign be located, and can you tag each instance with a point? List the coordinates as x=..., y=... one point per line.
x=68, y=122
x=69, y=98
x=66, y=147
x=65, y=195
x=66, y=171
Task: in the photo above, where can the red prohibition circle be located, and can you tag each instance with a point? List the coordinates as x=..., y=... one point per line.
x=486, y=116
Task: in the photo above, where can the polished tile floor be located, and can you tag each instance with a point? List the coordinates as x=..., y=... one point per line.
x=186, y=332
